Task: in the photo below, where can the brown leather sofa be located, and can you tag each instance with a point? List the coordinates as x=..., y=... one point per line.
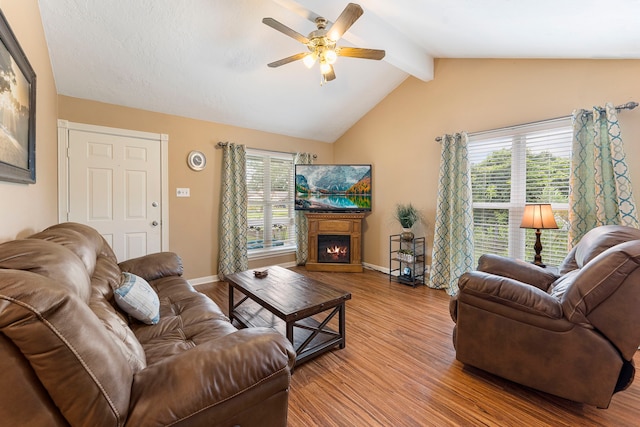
x=70, y=356
x=572, y=335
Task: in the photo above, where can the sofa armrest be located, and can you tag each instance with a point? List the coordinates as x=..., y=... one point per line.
x=205, y=385
x=509, y=292
x=154, y=266
x=516, y=269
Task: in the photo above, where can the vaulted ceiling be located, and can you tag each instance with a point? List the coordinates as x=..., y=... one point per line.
x=207, y=59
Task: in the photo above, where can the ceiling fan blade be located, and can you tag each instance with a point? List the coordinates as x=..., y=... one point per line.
x=287, y=60
x=285, y=30
x=346, y=19
x=357, y=52
x=331, y=75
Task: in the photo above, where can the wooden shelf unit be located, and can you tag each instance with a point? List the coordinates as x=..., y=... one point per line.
x=397, y=263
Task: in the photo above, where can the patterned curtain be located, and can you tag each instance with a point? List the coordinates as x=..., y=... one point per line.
x=233, y=216
x=302, y=226
x=453, y=232
x=600, y=185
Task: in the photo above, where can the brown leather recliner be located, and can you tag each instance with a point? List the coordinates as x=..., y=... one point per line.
x=572, y=335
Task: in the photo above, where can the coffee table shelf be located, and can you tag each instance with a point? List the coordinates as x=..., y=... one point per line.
x=321, y=338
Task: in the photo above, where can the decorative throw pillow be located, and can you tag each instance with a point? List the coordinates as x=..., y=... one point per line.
x=136, y=297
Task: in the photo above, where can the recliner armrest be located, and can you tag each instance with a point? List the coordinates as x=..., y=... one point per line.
x=154, y=266
x=509, y=292
x=516, y=269
x=198, y=387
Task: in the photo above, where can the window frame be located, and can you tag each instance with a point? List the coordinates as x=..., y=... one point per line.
x=267, y=220
x=519, y=240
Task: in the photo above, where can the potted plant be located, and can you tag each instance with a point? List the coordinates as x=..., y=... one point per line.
x=407, y=215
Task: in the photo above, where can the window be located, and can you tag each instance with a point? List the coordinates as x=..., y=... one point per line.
x=270, y=202
x=514, y=166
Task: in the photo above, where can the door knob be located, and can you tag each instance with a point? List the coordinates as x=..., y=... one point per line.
x=154, y=204
x=154, y=223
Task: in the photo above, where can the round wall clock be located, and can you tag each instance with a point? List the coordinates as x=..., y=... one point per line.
x=196, y=160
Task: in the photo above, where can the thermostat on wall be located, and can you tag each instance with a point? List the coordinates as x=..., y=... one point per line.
x=196, y=160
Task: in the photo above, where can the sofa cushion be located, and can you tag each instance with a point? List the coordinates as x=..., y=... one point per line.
x=95, y=254
x=135, y=296
x=75, y=359
x=560, y=286
x=154, y=266
x=187, y=319
x=74, y=240
x=94, y=239
x=49, y=260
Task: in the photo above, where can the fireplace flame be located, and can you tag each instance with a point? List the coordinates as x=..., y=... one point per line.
x=337, y=250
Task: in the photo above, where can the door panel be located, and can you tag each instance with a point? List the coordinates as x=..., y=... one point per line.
x=115, y=187
x=100, y=198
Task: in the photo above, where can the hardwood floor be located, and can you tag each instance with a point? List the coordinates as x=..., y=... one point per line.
x=399, y=369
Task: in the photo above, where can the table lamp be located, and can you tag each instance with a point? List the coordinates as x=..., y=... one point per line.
x=538, y=216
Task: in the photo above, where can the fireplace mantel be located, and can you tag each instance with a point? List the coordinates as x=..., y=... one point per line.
x=335, y=224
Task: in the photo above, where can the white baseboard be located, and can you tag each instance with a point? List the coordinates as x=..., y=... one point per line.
x=288, y=264
x=384, y=270
x=209, y=279
x=203, y=280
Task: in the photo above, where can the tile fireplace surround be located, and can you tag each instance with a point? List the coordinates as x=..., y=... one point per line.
x=335, y=224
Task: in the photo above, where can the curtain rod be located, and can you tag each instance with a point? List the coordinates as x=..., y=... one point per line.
x=628, y=106
x=224, y=144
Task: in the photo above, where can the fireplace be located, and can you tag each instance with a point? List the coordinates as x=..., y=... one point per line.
x=335, y=242
x=334, y=248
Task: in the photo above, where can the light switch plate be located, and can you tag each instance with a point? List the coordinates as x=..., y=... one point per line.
x=183, y=192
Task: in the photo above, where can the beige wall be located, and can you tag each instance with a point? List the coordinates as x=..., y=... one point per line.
x=397, y=136
x=24, y=208
x=193, y=229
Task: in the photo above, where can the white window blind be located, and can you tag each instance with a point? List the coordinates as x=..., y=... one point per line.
x=270, y=187
x=514, y=166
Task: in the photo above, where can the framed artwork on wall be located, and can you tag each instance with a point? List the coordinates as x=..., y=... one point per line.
x=17, y=110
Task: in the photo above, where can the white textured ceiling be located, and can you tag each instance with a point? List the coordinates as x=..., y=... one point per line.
x=206, y=59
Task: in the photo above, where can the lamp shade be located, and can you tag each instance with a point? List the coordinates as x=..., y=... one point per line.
x=538, y=216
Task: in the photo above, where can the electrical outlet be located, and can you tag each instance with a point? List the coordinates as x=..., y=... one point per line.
x=183, y=192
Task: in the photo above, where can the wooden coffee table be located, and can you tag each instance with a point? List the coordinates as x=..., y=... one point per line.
x=288, y=302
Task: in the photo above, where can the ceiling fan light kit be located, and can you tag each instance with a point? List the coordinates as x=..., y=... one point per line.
x=322, y=43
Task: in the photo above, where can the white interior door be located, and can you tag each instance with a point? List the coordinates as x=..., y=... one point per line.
x=115, y=186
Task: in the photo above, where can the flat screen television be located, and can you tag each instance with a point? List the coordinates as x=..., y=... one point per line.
x=333, y=188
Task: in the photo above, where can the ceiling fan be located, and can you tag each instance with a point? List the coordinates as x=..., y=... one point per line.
x=322, y=42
